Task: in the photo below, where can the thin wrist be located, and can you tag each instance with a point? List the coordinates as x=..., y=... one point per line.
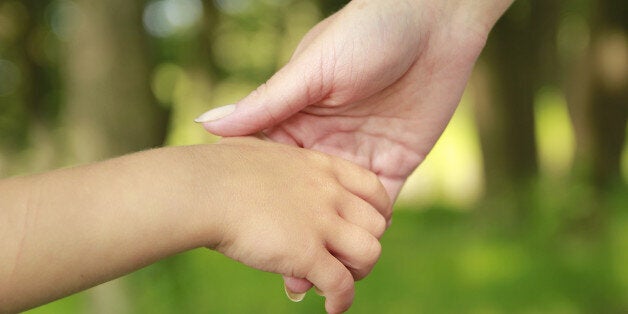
x=199, y=196
x=175, y=198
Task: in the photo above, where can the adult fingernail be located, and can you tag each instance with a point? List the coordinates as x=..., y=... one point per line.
x=294, y=297
x=216, y=114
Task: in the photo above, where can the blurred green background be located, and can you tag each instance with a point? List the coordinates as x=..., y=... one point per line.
x=521, y=208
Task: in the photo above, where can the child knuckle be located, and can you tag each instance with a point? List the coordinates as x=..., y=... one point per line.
x=373, y=249
x=379, y=226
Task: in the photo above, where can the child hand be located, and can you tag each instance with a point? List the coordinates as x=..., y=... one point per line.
x=301, y=214
x=273, y=207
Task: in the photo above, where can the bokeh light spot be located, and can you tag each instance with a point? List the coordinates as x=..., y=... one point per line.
x=164, y=82
x=61, y=17
x=554, y=132
x=233, y=6
x=165, y=18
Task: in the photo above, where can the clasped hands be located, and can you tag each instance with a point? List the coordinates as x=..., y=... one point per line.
x=375, y=84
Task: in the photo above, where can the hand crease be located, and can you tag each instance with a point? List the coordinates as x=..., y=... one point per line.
x=29, y=210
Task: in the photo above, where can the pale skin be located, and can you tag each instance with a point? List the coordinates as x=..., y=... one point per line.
x=376, y=83
x=270, y=206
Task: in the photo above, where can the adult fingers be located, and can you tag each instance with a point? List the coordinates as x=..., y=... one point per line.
x=293, y=88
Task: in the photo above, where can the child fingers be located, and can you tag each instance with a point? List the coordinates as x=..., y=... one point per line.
x=365, y=184
x=355, y=247
x=296, y=288
x=334, y=281
x=360, y=213
x=297, y=285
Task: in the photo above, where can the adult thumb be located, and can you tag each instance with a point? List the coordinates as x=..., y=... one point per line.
x=287, y=92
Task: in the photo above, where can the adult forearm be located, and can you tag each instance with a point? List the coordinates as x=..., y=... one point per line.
x=68, y=230
x=484, y=12
x=479, y=16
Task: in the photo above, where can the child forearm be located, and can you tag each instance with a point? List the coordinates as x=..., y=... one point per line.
x=272, y=207
x=65, y=231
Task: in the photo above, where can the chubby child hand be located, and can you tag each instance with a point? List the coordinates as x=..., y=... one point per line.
x=300, y=213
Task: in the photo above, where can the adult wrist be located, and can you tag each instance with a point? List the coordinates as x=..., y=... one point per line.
x=480, y=15
x=474, y=16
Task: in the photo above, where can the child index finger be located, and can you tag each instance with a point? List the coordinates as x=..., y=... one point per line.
x=364, y=184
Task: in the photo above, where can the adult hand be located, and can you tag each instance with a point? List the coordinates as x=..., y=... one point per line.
x=376, y=83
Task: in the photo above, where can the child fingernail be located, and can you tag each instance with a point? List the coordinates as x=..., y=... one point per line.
x=294, y=297
x=216, y=114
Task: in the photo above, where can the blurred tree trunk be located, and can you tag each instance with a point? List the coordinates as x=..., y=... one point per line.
x=596, y=87
x=110, y=110
x=597, y=93
x=515, y=65
x=31, y=110
x=39, y=81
